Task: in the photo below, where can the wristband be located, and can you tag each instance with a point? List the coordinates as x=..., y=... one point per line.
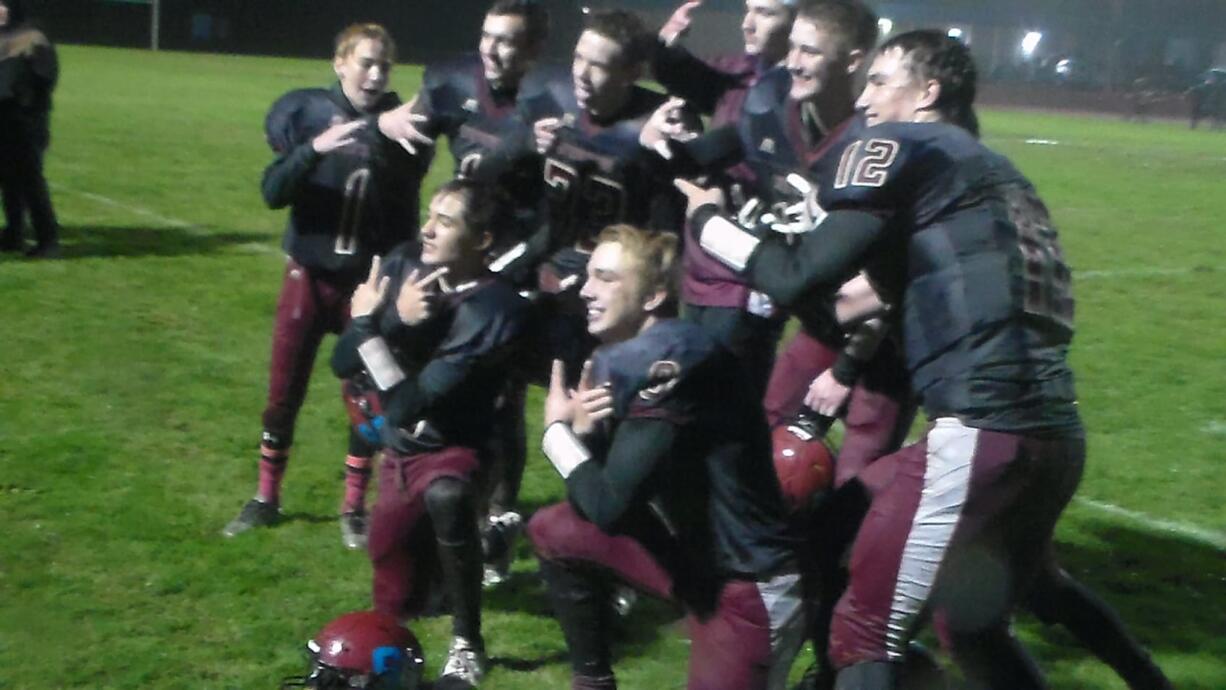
x=380, y=363
x=564, y=449
x=724, y=240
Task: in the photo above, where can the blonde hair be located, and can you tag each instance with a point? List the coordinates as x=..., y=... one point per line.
x=347, y=41
x=654, y=252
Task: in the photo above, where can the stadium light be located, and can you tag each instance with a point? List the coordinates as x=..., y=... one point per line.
x=954, y=32
x=885, y=26
x=1030, y=42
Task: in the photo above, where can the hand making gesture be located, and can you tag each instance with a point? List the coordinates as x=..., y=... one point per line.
x=583, y=407
x=416, y=300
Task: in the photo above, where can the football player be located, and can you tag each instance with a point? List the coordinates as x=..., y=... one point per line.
x=962, y=530
x=587, y=126
x=433, y=334
x=472, y=100
x=666, y=460
x=352, y=193
x=713, y=296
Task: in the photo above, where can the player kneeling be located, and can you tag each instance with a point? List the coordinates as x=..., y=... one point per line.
x=432, y=333
x=667, y=462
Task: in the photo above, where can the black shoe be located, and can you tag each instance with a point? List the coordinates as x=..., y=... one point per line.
x=256, y=513
x=44, y=251
x=11, y=242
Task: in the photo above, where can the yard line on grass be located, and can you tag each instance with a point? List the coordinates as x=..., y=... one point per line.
x=1141, y=272
x=131, y=208
x=1202, y=535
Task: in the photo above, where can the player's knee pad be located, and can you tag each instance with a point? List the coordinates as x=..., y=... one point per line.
x=449, y=502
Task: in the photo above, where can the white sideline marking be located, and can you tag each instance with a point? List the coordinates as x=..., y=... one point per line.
x=190, y=228
x=131, y=208
x=1210, y=537
x=1136, y=272
x=1043, y=142
x=1215, y=428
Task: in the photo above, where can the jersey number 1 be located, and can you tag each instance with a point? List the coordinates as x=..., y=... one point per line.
x=351, y=212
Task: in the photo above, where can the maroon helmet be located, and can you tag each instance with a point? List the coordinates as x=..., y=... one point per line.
x=804, y=461
x=363, y=649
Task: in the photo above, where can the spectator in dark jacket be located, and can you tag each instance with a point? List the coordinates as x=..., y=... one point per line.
x=28, y=72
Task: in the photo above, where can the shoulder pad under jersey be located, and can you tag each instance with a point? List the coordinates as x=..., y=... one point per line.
x=885, y=167
x=547, y=91
x=769, y=92
x=297, y=116
x=649, y=367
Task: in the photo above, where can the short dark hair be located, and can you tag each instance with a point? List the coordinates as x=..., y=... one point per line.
x=931, y=54
x=484, y=208
x=851, y=21
x=624, y=28
x=533, y=12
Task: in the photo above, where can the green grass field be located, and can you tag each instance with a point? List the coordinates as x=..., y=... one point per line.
x=132, y=375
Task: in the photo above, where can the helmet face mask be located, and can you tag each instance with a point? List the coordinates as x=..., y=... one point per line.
x=361, y=650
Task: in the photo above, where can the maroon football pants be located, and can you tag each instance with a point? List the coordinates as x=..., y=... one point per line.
x=875, y=423
x=958, y=526
x=309, y=308
x=749, y=641
x=401, y=543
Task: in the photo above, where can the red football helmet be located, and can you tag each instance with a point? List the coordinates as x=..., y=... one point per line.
x=363, y=649
x=804, y=461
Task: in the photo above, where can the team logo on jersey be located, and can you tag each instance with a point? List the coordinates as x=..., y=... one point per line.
x=662, y=376
x=471, y=105
x=767, y=146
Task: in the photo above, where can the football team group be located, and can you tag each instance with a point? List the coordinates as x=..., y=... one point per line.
x=638, y=254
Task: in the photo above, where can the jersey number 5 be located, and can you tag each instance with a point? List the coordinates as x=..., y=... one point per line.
x=866, y=163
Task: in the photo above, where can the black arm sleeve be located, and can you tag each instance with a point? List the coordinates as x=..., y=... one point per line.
x=686, y=76
x=284, y=176
x=861, y=346
x=604, y=493
x=824, y=259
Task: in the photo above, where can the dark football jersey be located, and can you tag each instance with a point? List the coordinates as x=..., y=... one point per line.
x=597, y=174
x=776, y=149
x=488, y=138
x=715, y=488
x=348, y=205
x=455, y=361
x=988, y=306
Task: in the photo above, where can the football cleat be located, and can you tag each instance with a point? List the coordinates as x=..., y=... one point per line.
x=464, y=663
x=498, y=546
x=255, y=513
x=353, y=529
